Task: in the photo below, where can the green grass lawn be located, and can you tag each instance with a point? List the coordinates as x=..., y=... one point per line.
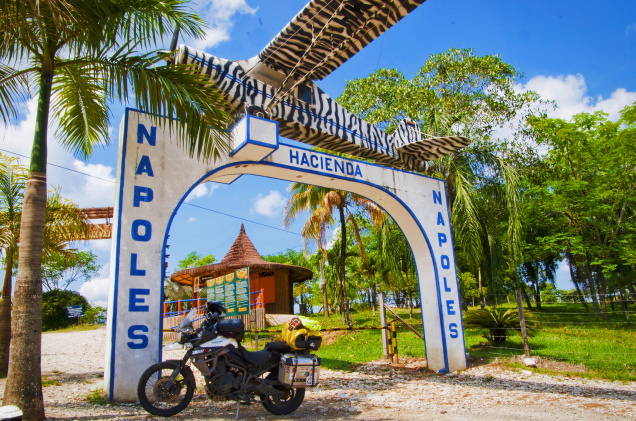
x=565, y=333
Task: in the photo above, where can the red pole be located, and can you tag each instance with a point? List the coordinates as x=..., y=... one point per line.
x=179, y=306
x=165, y=308
x=198, y=304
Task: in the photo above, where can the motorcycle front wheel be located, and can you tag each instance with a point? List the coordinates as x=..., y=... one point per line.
x=286, y=404
x=159, y=400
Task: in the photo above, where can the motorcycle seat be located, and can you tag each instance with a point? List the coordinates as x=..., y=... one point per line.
x=254, y=357
x=280, y=347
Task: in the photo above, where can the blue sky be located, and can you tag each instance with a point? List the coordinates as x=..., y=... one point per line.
x=580, y=53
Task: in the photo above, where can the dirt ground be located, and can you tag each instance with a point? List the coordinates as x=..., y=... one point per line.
x=73, y=364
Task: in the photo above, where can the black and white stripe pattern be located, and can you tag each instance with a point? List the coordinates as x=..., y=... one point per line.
x=334, y=30
x=327, y=33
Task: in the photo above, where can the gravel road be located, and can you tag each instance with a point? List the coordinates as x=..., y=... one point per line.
x=376, y=391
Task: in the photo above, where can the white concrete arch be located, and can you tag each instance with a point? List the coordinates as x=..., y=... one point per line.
x=154, y=177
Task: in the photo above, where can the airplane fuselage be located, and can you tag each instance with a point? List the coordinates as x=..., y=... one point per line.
x=309, y=115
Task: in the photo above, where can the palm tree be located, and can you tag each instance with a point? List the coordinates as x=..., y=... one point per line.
x=64, y=222
x=78, y=56
x=323, y=202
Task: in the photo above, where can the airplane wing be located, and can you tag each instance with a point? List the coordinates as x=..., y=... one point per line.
x=327, y=33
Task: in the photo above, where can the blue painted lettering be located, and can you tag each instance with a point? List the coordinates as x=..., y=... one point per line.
x=141, y=194
x=452, y=328
x=144, y=166
x=304, y=160
x=440, y=219
x=132, y=334
x=143, y=133
x=446, y=288
x=293, y=156
x=321, y=163
x=328, y=164
x=442, y=238
x=135, y=301
x=311, y=158
x=437, y=197
x=339, y=164
x=147, y=234
x=449, y=307
x=445, y=262
x=358, y=172
x=133, y=266
x=349, y=168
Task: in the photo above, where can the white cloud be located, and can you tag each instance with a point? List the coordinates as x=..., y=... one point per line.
x=96, y=290
x=202, y=190
x=103, y=245
x=219, y=16
x=572, y=97
x=270, y=205
x=95, y=190
x=192, y=219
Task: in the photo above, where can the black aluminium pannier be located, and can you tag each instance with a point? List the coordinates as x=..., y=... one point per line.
x=231, y=328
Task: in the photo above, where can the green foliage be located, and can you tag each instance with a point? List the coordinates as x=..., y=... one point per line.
x=61, y=269
x=50, y=382
x=54, y=305
x=194, y=259
x=468, y=288
x=98, y=397
x=455, y=92
x=94, y=315
x=496, y=323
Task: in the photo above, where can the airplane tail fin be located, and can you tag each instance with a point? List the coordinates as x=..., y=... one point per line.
x=407, y=132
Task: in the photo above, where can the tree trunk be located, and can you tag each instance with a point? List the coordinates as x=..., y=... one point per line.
x=632, y=292
x=24, y=383
x=624, y=306
x=590, y=283
x=600, y=278
x=522, y=323
x=323, y=288
x=375, y=296
x=343, y=253
x=571, y=264
x=482, y=303
x=535, y=289
x=5, y=315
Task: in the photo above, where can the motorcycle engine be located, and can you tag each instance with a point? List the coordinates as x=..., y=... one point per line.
x=226, y=378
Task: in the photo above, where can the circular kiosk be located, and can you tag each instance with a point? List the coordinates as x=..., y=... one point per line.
x=275, y=279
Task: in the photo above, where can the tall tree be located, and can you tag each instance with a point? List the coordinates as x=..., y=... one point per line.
x=62, y=269
x=77, y=56
x=64, y=222
x=323, y=203
x=458, y=92
x=588, y=187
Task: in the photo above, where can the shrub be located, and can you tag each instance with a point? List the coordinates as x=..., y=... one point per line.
x=54, y=305
x=496, y=323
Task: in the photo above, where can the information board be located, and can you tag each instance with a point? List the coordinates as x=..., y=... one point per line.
x=233, y=290
x=75, y=311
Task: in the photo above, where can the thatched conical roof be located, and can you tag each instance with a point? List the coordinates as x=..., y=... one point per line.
x=241, y=254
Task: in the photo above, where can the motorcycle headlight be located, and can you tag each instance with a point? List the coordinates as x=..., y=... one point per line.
x=180, y=337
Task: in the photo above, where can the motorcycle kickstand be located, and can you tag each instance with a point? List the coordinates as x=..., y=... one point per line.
x=238, y=408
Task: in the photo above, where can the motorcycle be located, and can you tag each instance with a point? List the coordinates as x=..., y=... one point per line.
x=277, y=375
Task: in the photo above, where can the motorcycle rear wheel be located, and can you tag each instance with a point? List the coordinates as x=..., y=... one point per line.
x=285, y=405
x=153, y=395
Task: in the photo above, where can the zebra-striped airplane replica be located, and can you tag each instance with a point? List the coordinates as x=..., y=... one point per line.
x=279, y=83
